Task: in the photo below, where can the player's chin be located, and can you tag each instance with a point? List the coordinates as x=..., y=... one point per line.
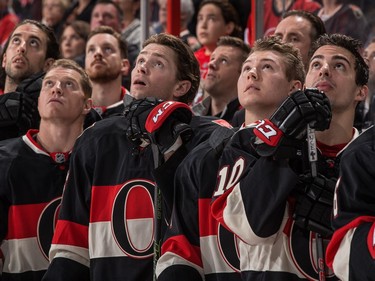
x=139, y=94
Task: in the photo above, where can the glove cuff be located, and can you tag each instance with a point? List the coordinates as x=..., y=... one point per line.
x=268, y=132
x=177, y=144
x=162, y=111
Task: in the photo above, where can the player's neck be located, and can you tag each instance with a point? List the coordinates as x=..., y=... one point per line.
x=340, y=130
x=106, y=94
x=60, y=138
x=10, y=85
x=253, y=115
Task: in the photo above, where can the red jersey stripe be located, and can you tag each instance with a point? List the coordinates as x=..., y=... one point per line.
x=70, y=233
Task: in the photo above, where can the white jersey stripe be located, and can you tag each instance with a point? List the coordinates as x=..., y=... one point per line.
x=23, y=255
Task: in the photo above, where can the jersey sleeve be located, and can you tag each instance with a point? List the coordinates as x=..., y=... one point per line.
x=69, y=254
x=351, y=251
x=252, y=191
x=181, y=258
x=5, y=192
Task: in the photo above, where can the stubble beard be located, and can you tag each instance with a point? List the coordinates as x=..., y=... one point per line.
x=17, y=75
x=102, y=76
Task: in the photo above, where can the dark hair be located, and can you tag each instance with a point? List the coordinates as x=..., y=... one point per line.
x=109, y=30
x=237, y=43
x=353, y=46
x=187, y=64
x=53, y=50
x=70, y=64
x=317, y=24
x=82, y=28
x=229, y=14
x=295, y=69
x=120, y=13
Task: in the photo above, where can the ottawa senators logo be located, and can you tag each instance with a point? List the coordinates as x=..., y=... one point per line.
x=133, y=218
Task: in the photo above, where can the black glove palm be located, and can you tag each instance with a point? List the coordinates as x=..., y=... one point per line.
x=314, y=203
x=137, y=111
x=18, y=109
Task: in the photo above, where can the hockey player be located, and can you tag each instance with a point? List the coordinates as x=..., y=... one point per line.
x=299, y=28
x=29, y=51
x=106, y=62
x=33, y=170
x=280, y=207
x=351, y=251
x=197, y=247
x=105, y=228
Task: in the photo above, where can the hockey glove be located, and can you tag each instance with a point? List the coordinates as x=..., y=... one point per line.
x=136, y=112
x=289, y=122
x=168, y=125
x=18, y=109
x=314, y=201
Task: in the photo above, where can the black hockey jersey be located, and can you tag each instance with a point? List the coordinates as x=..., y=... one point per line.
x=351, y=251
x=105, y=228
x=115, y=109
x=31, y=184
x=253, y=200
x=197, y=247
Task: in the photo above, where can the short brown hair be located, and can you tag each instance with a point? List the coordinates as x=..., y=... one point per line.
x=292, y=57
x=236, y=43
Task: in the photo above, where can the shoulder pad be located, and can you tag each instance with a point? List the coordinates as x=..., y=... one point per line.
x=220, y=137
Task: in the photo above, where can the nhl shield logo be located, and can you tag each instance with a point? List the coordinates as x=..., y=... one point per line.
x=59, y=157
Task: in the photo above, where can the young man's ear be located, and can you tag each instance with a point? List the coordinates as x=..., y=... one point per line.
x=182, y=88
x=48, y=63
x=87, y=106
x=362, y=93
x=296, y=85
x=229, y=27
x=3, y=63
x=125, y=67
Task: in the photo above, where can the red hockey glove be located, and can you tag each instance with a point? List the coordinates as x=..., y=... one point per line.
x=290, y=120
x=168, y=125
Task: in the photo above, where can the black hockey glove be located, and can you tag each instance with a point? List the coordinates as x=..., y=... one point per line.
x=168, y=125
x=289, y=122
x=18, y=109
x=314, y=203
x=136, y=112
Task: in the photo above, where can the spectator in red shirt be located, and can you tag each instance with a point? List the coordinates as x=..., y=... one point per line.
x=8, y=21
x=273, y=11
